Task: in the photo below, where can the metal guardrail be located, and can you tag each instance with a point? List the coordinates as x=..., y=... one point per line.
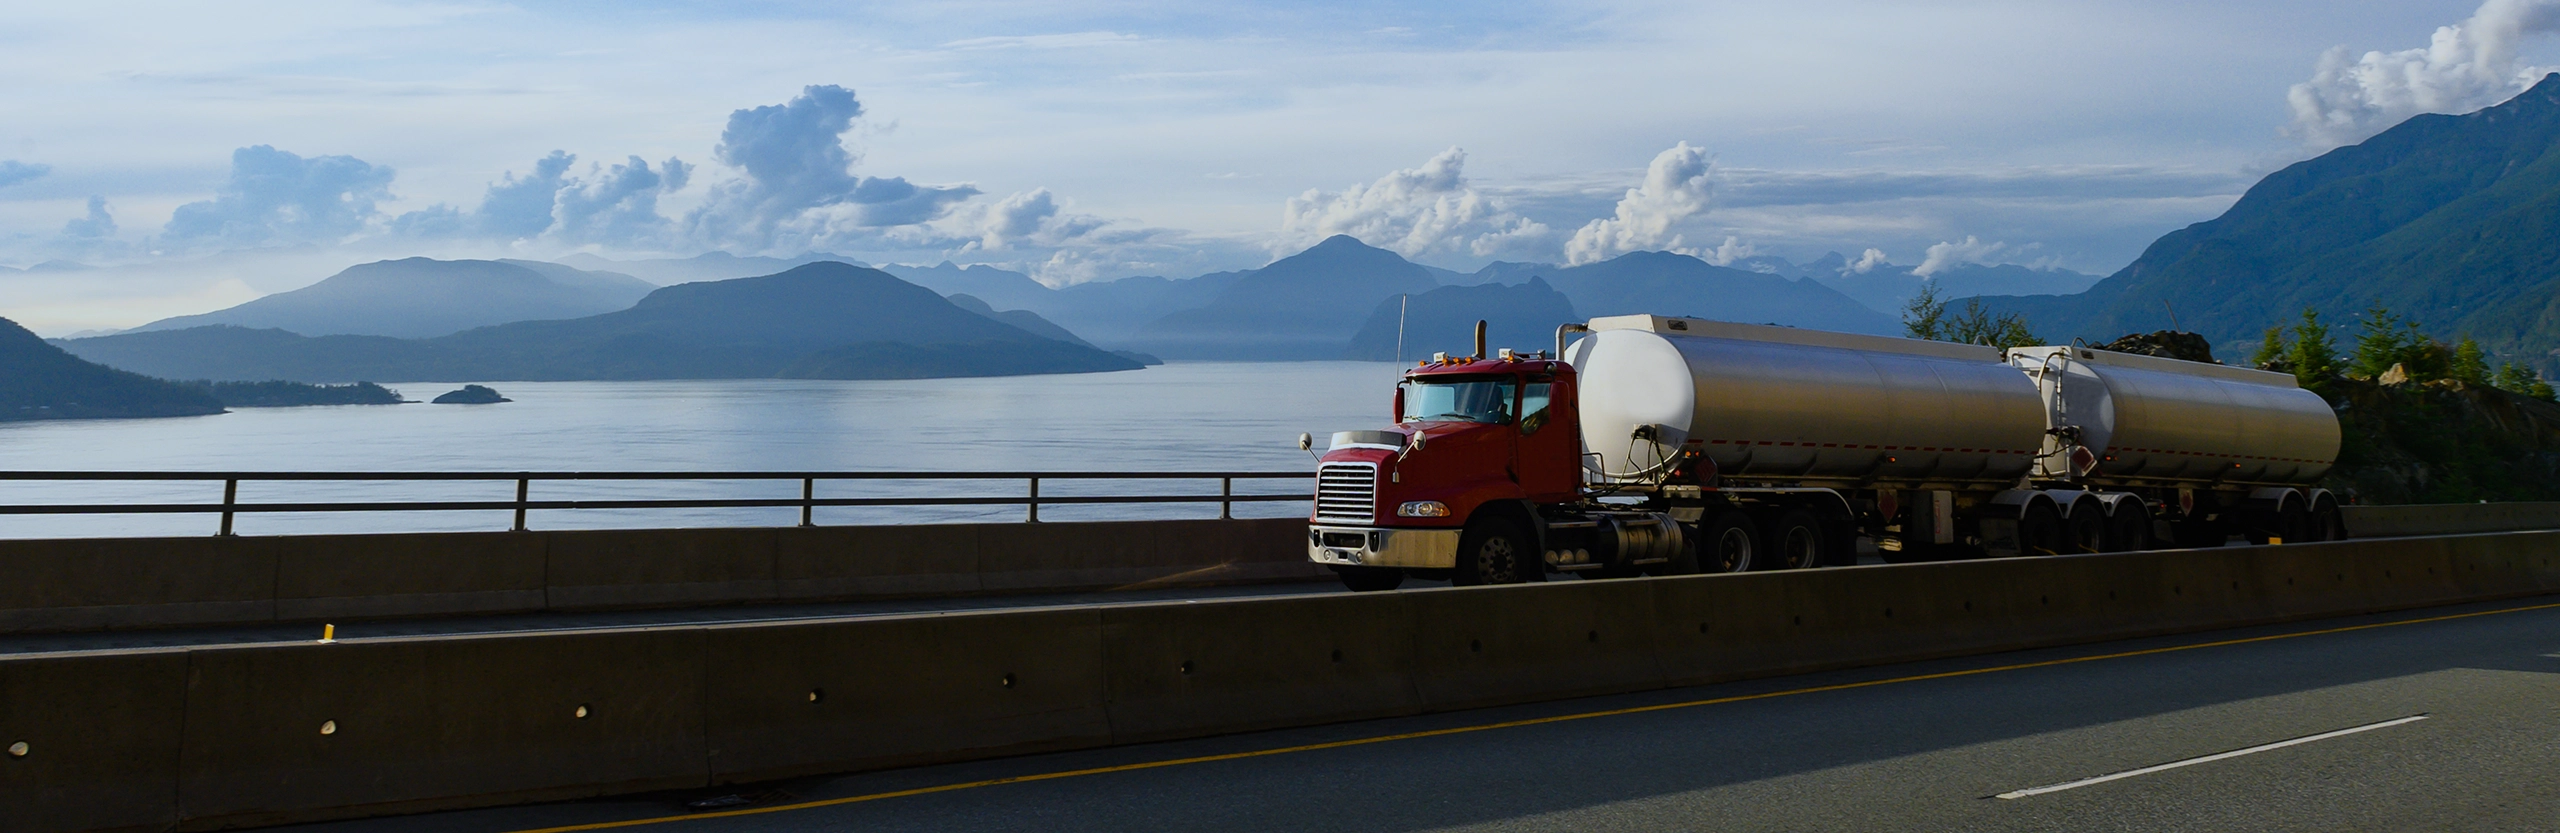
x=808, y=501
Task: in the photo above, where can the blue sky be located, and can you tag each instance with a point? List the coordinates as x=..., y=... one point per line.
x=1099, y=140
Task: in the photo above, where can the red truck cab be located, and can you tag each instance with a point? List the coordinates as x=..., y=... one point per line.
x=1474, y=439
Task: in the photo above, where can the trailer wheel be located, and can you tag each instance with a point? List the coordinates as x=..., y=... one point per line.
x=1730, y=543
x=1369, y=579
x=2040, y=530
x=2086, y=529
x=1796, y=539
x=1494, y=551
x=2129, y=528
x=2325, y=517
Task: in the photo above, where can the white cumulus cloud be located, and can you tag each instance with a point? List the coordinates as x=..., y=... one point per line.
x=1414, y=211
x=2464, y=67
x=1675, y=188
x=1950, y=254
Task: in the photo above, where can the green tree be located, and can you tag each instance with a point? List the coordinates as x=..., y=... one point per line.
x=2516, y=378
x=2314, y=359
x=1925, y=315
x=2468, y=365
x=2272, y=351
x=2379, y=344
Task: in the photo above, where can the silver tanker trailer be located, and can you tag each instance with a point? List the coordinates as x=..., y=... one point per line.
x=1670, y=445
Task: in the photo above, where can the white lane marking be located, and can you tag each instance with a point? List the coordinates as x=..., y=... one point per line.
x=2073, y=785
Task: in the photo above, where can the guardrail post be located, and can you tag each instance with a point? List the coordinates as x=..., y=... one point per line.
x=524, y=485
x=808, y=493
x=230, y=497
x=1034, y=517
x=1227, y=491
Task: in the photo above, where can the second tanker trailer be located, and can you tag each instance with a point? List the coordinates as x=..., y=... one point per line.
x=1675, y=445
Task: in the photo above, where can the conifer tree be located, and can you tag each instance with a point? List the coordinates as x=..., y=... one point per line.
x=2468, y=365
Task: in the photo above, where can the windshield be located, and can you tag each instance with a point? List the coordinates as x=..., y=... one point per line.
x=1458, y=400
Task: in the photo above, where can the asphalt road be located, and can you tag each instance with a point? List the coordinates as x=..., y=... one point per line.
x=1924, y=746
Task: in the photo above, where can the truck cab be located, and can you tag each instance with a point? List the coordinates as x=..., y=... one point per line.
x=1471, y=435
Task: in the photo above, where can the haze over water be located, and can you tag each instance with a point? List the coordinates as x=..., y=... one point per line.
x=1192, y=416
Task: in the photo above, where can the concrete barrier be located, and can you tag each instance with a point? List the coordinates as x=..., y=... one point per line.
x=99, y=731
x=2449, y=518
x=471, y=720
x=286, y=733
x=795, y=699
x=96, y=584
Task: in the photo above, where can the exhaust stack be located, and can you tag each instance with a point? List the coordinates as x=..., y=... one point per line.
x=1479, y=339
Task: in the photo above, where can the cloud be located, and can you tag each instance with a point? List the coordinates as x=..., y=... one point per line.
x=1948, y=255
x=619, y=205
x=2466, y=66
x=1866, y=262
x=1413, y=211
x=13, y=171
x=276, y=197
x=1027, y=218
x=519, y=208
x=799, y=188
x=1675, y=188
x=98, y=224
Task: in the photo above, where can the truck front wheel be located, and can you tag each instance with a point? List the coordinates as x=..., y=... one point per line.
x=1369, y=579
x=1495, y=550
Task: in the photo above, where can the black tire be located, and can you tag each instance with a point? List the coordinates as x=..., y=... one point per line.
x=2295, y=523
x=1728, y=543
x=2326, y=517
x=1369, y=579
x=1795, y=541
x=1495, y=550
x=2040, y=530
x=2086, y=529
x=2129, y=527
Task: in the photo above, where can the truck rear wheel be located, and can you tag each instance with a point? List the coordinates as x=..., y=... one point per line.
x=1494, y=550
x=2040, y=530
x=1728, y=543
x=1369, y=579
x=1796, y=539
x=2129, y=528
x=2086, y=529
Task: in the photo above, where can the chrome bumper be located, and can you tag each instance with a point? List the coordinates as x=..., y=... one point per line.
x=1374, y=547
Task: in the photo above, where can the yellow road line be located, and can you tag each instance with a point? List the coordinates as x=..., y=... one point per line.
x=1507, y=724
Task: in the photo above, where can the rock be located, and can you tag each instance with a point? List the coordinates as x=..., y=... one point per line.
x=471, y=395
x=2167, y=344
x=2397, y=375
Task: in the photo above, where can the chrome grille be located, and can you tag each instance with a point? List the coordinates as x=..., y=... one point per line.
x=1347, y=492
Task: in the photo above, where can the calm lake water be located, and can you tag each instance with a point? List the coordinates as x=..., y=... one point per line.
x=1195, y=416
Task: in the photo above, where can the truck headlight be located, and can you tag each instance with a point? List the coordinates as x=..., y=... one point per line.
x=1423, y=509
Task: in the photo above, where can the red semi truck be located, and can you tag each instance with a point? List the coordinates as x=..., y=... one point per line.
x=1676, y=445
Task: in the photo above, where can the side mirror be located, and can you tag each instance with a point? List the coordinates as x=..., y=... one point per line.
x=1306, y=442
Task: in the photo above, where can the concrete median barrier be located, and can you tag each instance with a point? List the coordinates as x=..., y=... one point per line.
x=1481, y=646
x=1137, y=554
x=800, y=698
x=287, y=733
x=1183, y=669
x=87, y=742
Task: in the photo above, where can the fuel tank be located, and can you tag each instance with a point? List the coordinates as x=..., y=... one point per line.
x=2154, y=420
x=1782, y=404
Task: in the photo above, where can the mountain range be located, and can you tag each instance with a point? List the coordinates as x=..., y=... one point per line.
x=823, y=320
x=2451, y=221
x=43, y=382
x=421, y=298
